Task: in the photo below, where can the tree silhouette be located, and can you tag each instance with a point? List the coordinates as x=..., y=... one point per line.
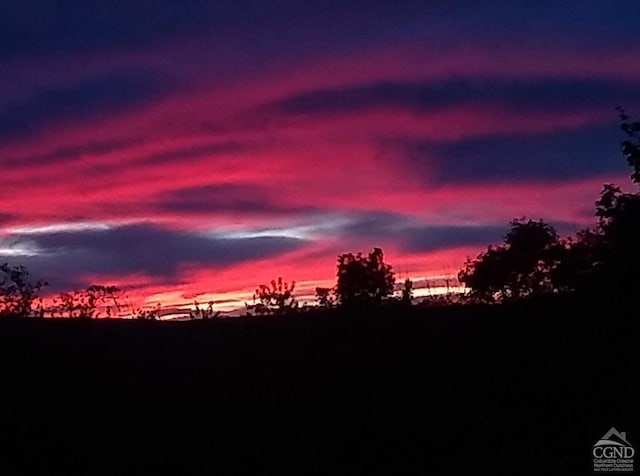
x=363, y=279
x=521, y=267
x=533, y=260
x=18, y=292
x=631, y=146
x=613, y=246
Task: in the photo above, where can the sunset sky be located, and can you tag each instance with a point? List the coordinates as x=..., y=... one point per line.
x=194, y=149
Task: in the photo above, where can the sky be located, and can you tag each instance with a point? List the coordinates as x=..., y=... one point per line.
x=192, y=150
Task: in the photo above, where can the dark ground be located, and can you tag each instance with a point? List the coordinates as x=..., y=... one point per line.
x=522, y=389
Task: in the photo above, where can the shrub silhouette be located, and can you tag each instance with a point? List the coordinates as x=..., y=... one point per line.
x=18, y=292
x=148, y=314
x=407, y=292
x=325, y=298
x=276, y=298
x=89, y=303
x=363, y=279
x=203, y=313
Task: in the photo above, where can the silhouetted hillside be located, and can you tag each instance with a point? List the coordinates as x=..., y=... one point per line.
x=522, y=388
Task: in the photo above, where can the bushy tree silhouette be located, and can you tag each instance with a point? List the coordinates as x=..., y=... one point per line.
x=577, y=260
x=521, y=267
x=617, y=250
x=363, y=279
x=18, y=292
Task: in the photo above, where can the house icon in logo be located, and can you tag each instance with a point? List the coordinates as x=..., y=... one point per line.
x=613, y=437
x=613, y=452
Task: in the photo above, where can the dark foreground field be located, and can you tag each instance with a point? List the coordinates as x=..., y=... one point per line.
x=525, y=389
